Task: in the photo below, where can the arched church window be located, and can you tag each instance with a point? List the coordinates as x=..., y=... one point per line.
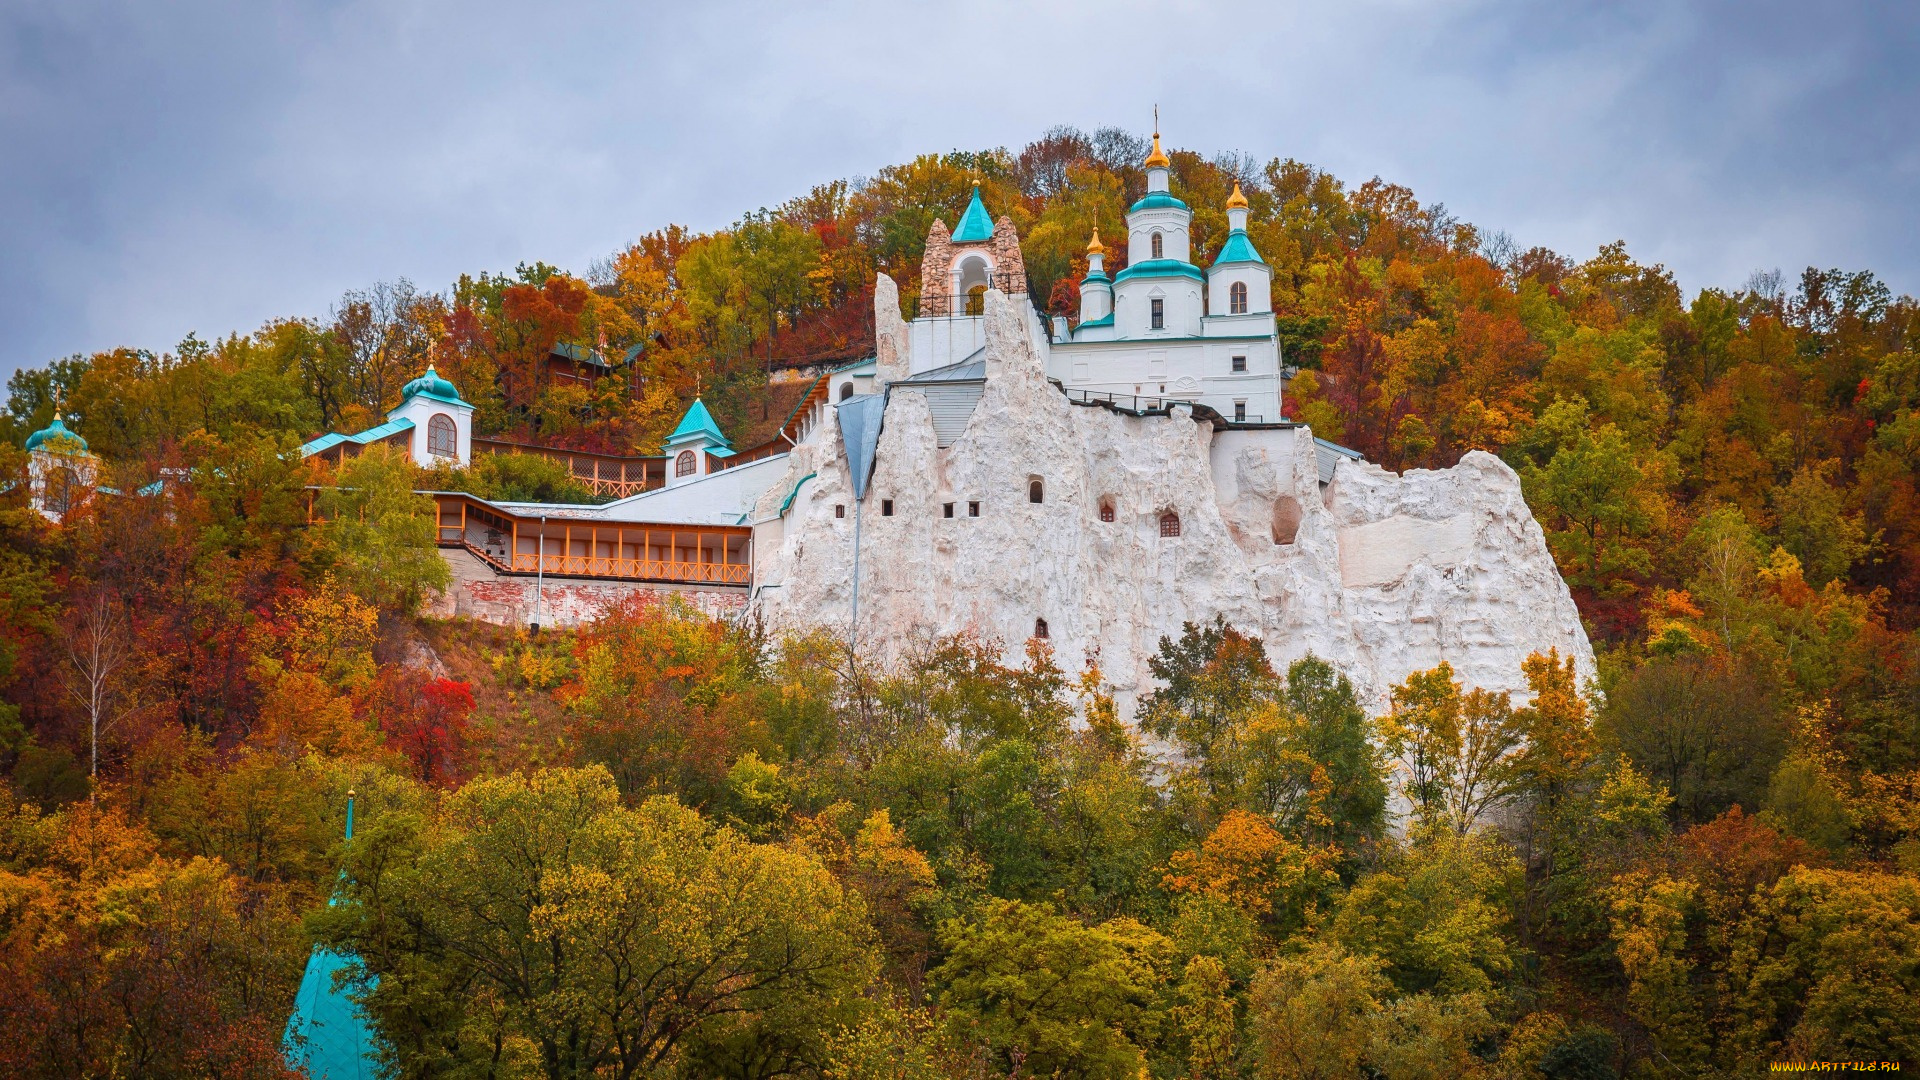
x=1035, y=491
x=1106, y=510
x=1237, y=298
x=1158, y=248
x=1040, y=628
x=443, y=439
x=846, y=392
x=1169, y=524
x=684, y=464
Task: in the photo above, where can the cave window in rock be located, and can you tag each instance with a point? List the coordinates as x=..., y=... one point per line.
x=1159, y=248
x=973, y=509
x=946, y=510
x=1286, y=519
x=1237, y=298
x=839, y=510
x=1169, y=524
x=1040, y=628
x=886, y=507
x=1036, y=491
x=846, y=391
x=443, y=440
x=683, y=465
x=1106, y=509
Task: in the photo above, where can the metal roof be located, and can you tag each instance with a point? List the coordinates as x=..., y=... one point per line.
x=1238, y=249
x=971, y=369
x=975, y=225
x=372, y=435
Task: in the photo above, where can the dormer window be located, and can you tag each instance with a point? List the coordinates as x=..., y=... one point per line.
x=1157, y=319
x=1237, y=298
x=1158, y=248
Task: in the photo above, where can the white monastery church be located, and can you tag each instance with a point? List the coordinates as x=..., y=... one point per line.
x=1096, y=483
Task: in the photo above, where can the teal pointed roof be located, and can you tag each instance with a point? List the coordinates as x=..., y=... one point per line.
x=328, y=1034
x=63, y=440
x=1238, y=249
x=974, y=225
x=431, y=385
x=697, y=424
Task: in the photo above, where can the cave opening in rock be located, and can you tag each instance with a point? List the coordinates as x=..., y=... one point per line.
x=1286, y=519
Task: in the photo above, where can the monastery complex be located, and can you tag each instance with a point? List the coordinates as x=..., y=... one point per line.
x=1095, y=483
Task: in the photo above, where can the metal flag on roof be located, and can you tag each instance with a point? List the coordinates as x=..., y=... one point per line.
x=860, y=436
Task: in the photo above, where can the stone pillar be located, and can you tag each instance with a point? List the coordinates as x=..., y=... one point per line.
x=1006, y=256
x=892, y=349
x=936, y=270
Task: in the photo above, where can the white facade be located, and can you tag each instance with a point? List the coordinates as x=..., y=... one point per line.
x=424, y=447
x=1161, y=329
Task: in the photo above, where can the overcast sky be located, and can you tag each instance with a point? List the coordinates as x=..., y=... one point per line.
x=204, y=166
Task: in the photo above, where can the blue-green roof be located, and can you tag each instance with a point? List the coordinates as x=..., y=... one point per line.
x=974, y=225
x=1157, y=200
x=64, y=441
x=1098, y=277
x=1104, y=320
x=1238, y=249
x=697, y=424
x=1156, y=268
x=431, y=385
x=371, y=435
x=787, y=503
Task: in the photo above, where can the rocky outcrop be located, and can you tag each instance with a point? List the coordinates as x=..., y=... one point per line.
x=1381, y=574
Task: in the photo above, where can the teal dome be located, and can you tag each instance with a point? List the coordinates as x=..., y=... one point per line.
x=58, y=434
x=433, y=386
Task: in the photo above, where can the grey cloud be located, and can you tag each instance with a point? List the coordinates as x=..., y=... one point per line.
x=204, y=166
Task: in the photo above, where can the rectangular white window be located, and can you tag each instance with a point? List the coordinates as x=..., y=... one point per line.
x=1159, y=315
x=1240, y=412
x=1239, y=364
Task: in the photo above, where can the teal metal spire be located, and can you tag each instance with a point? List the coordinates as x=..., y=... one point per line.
x=697, y=424
x=974, y=225
x=328, y=1034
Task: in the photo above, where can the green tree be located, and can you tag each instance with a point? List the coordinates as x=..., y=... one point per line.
x=1050, y=996
x=379, y=535
x=538, y=910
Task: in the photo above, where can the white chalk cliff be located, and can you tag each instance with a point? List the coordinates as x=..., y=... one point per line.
x=1380, y=574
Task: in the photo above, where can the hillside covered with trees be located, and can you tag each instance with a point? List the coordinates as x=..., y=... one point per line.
x=667, y=846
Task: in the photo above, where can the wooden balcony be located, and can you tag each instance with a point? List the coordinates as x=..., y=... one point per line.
x=558, y=547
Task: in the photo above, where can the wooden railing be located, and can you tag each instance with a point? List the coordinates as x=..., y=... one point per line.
x=720, y=555
x=628, y=569
x=603, y=474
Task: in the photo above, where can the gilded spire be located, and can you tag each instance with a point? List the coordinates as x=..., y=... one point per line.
x=1094, y=246
x=1157, y=159
x=1236, y=201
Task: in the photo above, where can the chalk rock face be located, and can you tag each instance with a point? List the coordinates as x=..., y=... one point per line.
x=1380, y=574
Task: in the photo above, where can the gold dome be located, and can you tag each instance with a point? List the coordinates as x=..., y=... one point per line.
x=1094, y=246
x=1236, y=201
x=1157, y=159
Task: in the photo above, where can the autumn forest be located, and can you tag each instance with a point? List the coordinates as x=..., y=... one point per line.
x=662, y=845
